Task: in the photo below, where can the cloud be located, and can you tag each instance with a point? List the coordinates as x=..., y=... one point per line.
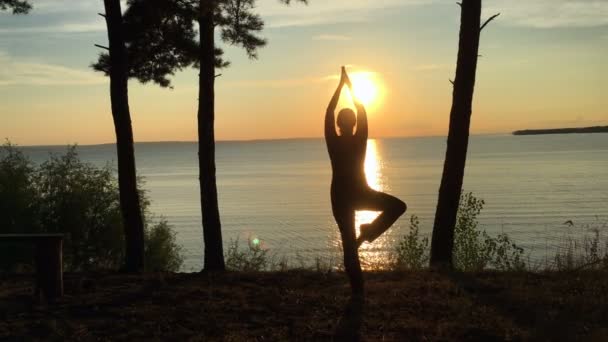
x=326, y=12
x=284, y=83
x=58, y=28
x=32, y=73
x=550, y=13
x=353, y=70
x=74, y=16
x=56, y=16
x=53, y=6
x=332, y=37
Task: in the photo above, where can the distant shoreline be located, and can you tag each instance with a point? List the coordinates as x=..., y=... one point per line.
x=594, y=129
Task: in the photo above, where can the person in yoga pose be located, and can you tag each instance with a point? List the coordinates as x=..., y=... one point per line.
x=349, y=189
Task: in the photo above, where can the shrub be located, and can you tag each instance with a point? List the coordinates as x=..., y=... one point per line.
x=585, y=253
x=507, y=256
x=80, y=200
x=252, y=258
x=18, y=204
x=474, y=249
x=411, y=251
x=162, y=251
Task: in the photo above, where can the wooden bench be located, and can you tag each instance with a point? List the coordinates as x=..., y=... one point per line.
x=48, y=260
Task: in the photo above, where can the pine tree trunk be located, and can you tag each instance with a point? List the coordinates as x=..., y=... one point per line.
x=458, y=138
x=212, y=228
x=127, y=179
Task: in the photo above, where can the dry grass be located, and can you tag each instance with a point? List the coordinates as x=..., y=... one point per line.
x=302, y=305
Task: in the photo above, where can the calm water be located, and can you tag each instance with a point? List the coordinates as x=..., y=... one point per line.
x=278, y=191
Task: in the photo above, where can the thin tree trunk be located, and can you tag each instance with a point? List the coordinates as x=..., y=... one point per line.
x=212, y=228
x=442, y=244
x=127, y=179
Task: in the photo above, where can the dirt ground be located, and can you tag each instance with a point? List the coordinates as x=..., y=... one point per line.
x=311, y=306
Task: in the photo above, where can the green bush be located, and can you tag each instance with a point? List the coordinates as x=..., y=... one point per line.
x=18, y=204
x=411, y=251
x=80, y=200
x=252, y=258
x=474, y=249
x=162, y=251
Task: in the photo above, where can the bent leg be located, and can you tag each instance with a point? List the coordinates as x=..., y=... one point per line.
x=352, y=266
x=391, y=208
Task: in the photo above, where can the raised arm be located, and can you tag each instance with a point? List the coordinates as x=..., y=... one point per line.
x=330, y=121
x=362, y=130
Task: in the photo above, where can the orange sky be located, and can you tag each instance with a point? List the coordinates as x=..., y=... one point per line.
x=535, y=72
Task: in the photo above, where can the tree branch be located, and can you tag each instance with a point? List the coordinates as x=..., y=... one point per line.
x=102, y=47
x=488, y=21
x=101, y=15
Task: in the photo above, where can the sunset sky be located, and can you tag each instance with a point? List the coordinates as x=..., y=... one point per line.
x=544, y=64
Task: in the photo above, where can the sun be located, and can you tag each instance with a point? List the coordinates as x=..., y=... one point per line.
x=365, y=87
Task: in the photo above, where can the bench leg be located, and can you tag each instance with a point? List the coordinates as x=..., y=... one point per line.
x=49, y=269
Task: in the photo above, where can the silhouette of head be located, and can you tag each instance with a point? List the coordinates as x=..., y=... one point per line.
x=346, y=122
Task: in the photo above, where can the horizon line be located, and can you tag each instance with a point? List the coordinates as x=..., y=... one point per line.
x=247, y=140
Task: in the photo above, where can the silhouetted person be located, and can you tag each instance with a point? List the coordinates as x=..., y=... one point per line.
x=349, y=188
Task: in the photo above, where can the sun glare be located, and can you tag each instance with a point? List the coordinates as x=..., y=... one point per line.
x=367, y=88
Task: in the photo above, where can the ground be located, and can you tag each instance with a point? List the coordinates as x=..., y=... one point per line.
x=305, y=305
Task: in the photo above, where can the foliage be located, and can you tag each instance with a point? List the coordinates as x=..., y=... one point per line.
x=471, y=249
x=588, y=253
x=507, y=256
x=251, y=258
x=474, y=249
x=80, y=200
x=411, y=251
x=18, y=196
x=161, y=36
x=18, y=204
x=18, y=6
x=162, y=253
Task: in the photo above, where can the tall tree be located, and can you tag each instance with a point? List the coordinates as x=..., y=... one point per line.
x=212, y=227
x=162, y=39
x=442, y=244
x=127, y=179
x=17, y=6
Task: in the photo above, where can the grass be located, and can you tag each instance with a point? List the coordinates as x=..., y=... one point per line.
x=307, y=305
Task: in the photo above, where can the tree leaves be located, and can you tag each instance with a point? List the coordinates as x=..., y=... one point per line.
x=162, y=36
x=18, y=6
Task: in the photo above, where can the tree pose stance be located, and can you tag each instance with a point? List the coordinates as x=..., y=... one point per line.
x=349, y=188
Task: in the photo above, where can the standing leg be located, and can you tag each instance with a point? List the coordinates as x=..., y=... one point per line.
x=352, y=266
x=391, y=208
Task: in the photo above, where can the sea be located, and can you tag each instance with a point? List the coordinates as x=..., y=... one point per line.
x=275, y=193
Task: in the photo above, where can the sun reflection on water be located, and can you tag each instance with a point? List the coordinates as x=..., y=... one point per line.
x=373, y=174
x=372, y=255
